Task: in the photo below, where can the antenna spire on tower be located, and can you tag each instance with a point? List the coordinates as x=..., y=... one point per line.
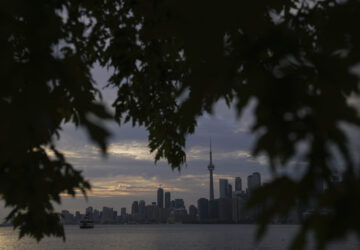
x=210, y=152
x=211, y=169
x=211, y=165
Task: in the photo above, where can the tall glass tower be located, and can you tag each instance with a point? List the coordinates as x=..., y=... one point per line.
x=211, y=168
x=160, y=197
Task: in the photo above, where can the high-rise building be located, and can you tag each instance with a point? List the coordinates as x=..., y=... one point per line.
x=238, y=184
x=78, y=216
x=67, y=217
x=123, y=211
x=203, y=209
x=149, y=212
x=160, y=197
x=213, y=209
x=239, y=214
x=96, y=216
x=162, y=215
x=141, y=203
x=167, y=200
x=107, y=215
x=142, y=209
x=135, y=208
x=115, y=215
x=89, y=211
x=223, y=186
x=155, y=211
x=225, y=209
x=179, y=203
x=211, y=168
x=192, y=211
x=229, y=191
x=254, y=181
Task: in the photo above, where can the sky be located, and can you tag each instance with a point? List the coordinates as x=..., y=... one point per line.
x=128, y=172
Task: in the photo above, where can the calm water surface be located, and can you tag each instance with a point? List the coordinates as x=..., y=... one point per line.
x=164, y=237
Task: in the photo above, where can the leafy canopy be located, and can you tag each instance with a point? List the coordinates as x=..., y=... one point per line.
x=172, y=61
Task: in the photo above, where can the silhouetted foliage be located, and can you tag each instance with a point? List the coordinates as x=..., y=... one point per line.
x=172, y=61
x=45, y=77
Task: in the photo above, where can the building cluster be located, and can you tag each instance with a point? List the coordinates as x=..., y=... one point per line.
x=228, y=208
x=162, y=211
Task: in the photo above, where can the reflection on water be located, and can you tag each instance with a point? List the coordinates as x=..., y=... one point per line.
x=229, y=237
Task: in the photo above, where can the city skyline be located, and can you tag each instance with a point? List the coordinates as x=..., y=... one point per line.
x=162, y=202
x=227, y=208
x=231, y=180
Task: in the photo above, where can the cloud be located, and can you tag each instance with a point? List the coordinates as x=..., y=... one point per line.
x=136, y=150
x=128, y=149
x=76, y=154
x=128, y=185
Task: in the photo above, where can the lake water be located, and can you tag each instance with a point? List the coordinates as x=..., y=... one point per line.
x=164, y=237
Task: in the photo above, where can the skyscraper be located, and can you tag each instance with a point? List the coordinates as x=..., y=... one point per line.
x=142, y=206
x=192, y=212
x=89, y=211
x=203, y=209
x=135, y=208
x=167, y=200
x=254, y=181
x=211, y=168
x=179, y=203
x=238, y=184
x=160, y=197
x=225, y=209
x=107, y=215
x=123, y=211
x=213, y=209
x=223, y=185
x=229, y=191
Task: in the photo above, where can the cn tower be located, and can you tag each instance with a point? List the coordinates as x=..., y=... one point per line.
x=211, y=168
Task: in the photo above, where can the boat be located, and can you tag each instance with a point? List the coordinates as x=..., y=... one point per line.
x=86, y=223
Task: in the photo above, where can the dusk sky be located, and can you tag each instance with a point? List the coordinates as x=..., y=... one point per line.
x=128, y=173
